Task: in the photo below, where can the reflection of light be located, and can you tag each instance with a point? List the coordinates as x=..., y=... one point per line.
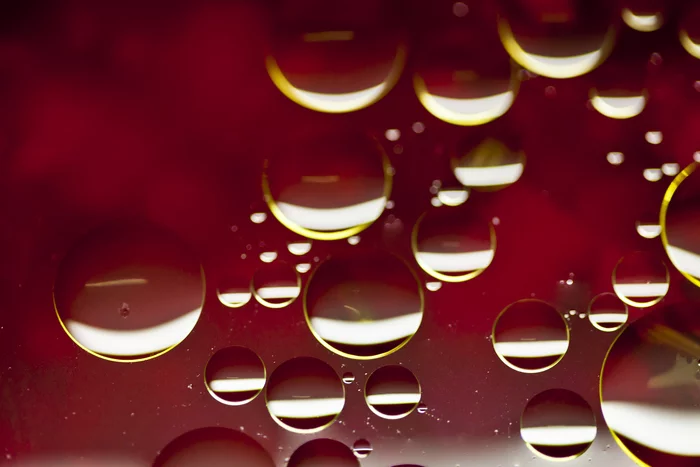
x=649, y=230
x=558, y=435
x=327, y=36
x=489, y=176
x=354, y=240
x=306, y=408
x=258, y=217
x=268, y=256
x=453, y=197
x=691, y=47
x=393, y=399
x=674, y=430
x=278, y=292
x=474, y=111
x=531, y=349
x=670, y=169
x=653, y=137
x=237, y=385
x=235, y=298
x=603, y=318
x=435, y=201
x=641, y=290
x=377, y=331
x=619, y=107
x=653, y=175
x=129, y=343
x=615, y=158
x=456, y=262
x=334, y=218
x=392, y=134
x=642, y=23
x=118, y=282
x=684, y=260
x=299, y=248
x=303, y=268
x=433, y=286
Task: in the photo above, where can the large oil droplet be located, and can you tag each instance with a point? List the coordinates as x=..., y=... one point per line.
x=129, y=295
x=558, y=424
x=348, y=378
x=453, y=246
x=213, y=447
x=363, y=306
x=276, y=285
x=362, y=448
x=487, y=164
x=689, y=30
x=650, y=396
x=328, y=187
x=680, y=223
x=392, y=392
x=323, y=452
x=640, y=280
x=530, y=336
x=346, y=59
x=234, y=375
x=304, y=395
x=607, y=312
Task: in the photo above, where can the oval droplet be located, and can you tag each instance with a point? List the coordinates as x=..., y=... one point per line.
x=348, y=378
x=323, y=452
x=487, y=164
x=392, y=392
x=607, y=312
x=362, y=448
x=276, y=285
x=234, y=375
x=640, y=280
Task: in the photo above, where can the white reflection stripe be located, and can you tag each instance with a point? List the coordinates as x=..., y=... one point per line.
x=135, y=342
x=393, y=399
x=278, y=292
x=299, y=249
x=691, y=47
x=268, y=256
x=649, y=231
x=610, y=318
x=306, y=408
x=334, y=218
x=337, y=103
x=235, y=297
x=558, y=435
x=456, y=262
x=467, y=111
x=686, y=261
x=453, y=197
x=489, y=176
x=666, y=429
x=135, y=281
x=237, y=385
x=372, y=332
x=619, y=107
x=303, y=268
x=560, y=67
x=643, y=23
x=531, y=349
x=640, y=290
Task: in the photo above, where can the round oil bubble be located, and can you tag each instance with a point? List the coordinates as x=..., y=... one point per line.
x=129, y=294
x=558, y=424
x=348, y=378
x=362, y=448
x=363, y=306
x=530, y=336
x=348, y=57
x=644, y=15
x=323, y=452
x=618, y=104
x=304, y=395
x=234, y=375
x=392, y=392
x=689, y=29
x=453, y=246
x=607, y=312
x=276, y=285
x=328, y=186
x=213, y=447
x=233, y=290
x=650, y=387
x=487, y=164
x=640, y=279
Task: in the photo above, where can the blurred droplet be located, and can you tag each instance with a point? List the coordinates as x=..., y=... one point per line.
x=670, y=169
x=303, y=268
x=487, y=165
x=615, y=158
x=433, y=286
x=653, y=175
x=258, y=217
x=422, y=408
x=234, y=375
x=392, y=135
x=460, y=9
x=648, y=230
x=323, y=452
x=392, y=392
x=607, y=312
x=653, y=137
x=640, y=280
x=299, y=248
x=418, y=127
x=268, y=256
x=354, y=240
x=435, y=202
x=276, y=285
x=643, y=21
x=362, y=448
x=453, y=197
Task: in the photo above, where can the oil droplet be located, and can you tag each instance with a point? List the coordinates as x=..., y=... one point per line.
x=640, y=280
x=433, y=286
x=453, y=197
x=392, y=135
x=558, y=424
x=615, y=158
x=644, y=16
x=299, y=248
x=453, y=246
x=618, y=104
x=234, y=289
x=653, y=137
x=487, y=164
x=348, y=378
x=670, y=169
x=354, y=240
x=323, y=452
x=607, y=312
x=213, y=446
x=276, y=285
x=303, y=268
x=530, y=336
x=234, y=375
x=648, y=229
x=418, y=127
x=362, y=448
x=649, y=394
x=435, y=202
x=422, y=408
x=150, y=271
x=258, y=217
x=363, y=306
x=328, y=187
x=304, y=395
x=652, y=175
x=689, y=32
x=392, y=392
x=268, y=256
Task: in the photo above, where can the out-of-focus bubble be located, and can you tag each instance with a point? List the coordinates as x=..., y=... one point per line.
x=453, y=246
x=487, y=164
x=643, y=16
x=453, y=197
x=258, y=217
x=670, y=169
x=304, y=395
x=347, y=58
x=435, y=202
x=303, y=268
x=433, y=286
x=128, y=295
x=323, y=452
x=392, y=392
x=689, y=29
x=530, y=336
x=234, y=289
x=299, y=248
x=649, y=388
x=392, y=134
x=362, y=448
x=648, y=229
x=234, y=375
x=418, y=127
x=213, y=447
x=615, y=158
x=640, y=280
x=607, y=312
x=618, y=104
x=653, y=175
x=354, y=240
x=653, y=137
x=348, y=378
x=363, y=306
x=276, y=285
x=558, y=424
x=268, y=256
x=328, y=187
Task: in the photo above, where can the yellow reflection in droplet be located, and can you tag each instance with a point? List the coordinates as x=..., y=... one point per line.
x=618, y=105
x=691, y=46
x=642, y=23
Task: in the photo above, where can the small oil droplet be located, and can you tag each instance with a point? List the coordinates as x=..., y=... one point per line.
x=124, y=310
